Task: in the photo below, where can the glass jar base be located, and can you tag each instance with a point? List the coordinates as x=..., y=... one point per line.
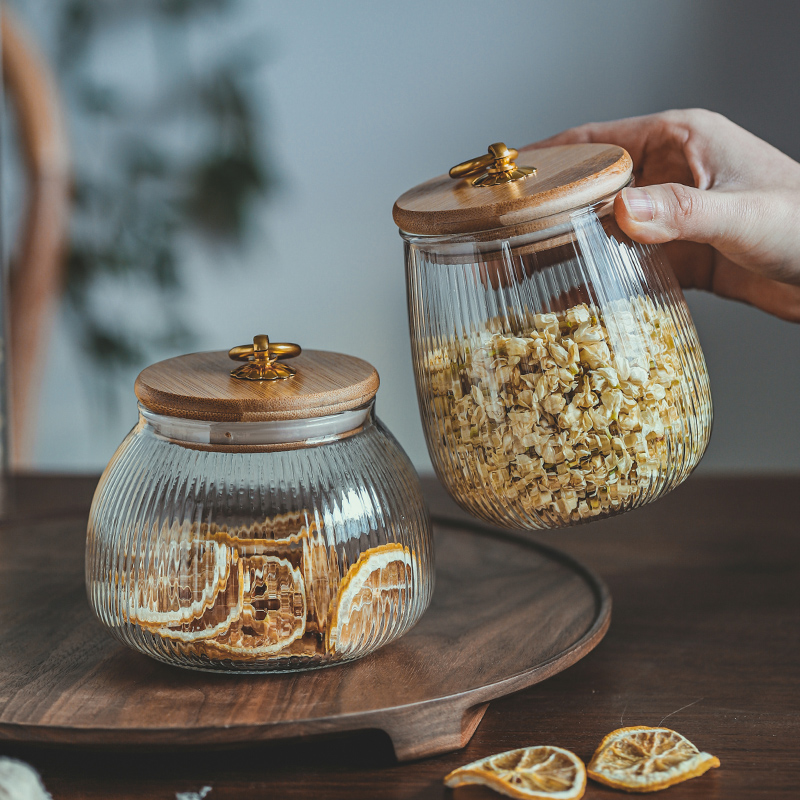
x=274, y=667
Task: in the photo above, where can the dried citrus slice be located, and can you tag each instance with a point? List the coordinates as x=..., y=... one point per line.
x=178, y=581
x=643, y=759
x=373, y=591
x=321, y=577
x=296, y=537
x=530, y=772
x=219, y=617
x=282, y=530
x=273, y=613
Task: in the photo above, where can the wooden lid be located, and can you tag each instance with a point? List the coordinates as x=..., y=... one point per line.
x=567, y=177
x=200, y=386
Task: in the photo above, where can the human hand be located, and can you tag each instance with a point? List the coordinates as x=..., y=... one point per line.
x=726, y=202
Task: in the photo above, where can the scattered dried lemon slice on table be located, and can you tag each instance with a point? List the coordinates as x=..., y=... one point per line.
x=643, y=759
x=373, y=589
x=532, y=773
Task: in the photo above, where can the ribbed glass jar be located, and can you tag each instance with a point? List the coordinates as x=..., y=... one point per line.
x=559, y=374
x=255, y=555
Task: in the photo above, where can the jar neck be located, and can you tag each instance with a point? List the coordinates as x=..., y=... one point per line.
x=288, y=434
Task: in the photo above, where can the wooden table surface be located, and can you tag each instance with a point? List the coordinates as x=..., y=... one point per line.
x=705, y=637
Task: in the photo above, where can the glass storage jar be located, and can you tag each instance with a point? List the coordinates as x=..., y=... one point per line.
x=258, y=521
x=558, y=371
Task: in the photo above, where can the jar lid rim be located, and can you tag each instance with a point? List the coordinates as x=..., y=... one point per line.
x=567, y=177
x=200, y=386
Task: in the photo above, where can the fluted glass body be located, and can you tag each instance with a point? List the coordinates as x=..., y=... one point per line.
x=559, y=374
x=233, y=558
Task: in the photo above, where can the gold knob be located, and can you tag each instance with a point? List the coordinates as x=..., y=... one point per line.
x=497, y=167
x=262, y=357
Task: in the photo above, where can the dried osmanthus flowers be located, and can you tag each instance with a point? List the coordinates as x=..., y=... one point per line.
x=569, y=418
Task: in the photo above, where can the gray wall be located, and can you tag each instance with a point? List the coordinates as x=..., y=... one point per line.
x=363, y=100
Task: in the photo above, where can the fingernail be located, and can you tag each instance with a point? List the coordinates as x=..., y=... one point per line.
x=639, y=204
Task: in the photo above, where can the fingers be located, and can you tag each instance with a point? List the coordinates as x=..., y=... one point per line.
x=775, y=297
x=673, y=211
x=700, y=266
x=756, y=230
x=635, y=134
x=743, y=226
x=629, y=133
x=673, y=146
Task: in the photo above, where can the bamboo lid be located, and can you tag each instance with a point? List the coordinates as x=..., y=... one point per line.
x=505, y=188
x=202, y=386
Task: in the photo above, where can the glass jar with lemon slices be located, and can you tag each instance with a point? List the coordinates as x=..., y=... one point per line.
x=260, y=518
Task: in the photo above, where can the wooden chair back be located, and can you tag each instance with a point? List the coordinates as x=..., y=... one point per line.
x=37, y=269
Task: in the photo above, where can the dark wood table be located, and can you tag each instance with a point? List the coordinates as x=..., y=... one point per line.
x=705, y=638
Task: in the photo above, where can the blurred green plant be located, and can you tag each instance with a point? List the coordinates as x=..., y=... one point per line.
x=153, y=167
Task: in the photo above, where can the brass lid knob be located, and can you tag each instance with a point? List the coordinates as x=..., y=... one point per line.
x=262, y=357
x=497, y=167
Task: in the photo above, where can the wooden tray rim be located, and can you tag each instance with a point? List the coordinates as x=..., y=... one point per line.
x=207, y=736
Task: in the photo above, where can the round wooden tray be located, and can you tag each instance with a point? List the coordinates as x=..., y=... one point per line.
x=506, y=613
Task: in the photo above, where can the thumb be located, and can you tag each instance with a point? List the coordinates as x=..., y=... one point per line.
x=672, y=211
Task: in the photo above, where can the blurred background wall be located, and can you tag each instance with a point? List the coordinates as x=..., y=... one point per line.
x=353, y=103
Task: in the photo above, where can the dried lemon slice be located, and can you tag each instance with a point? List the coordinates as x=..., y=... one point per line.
x=273, y=614
x=374, y=589
x=643, y=759
x=178, y=581
x=298, y=538
x=321, y=577
x=530, y=772
x=283, y=530
x=218, y=618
